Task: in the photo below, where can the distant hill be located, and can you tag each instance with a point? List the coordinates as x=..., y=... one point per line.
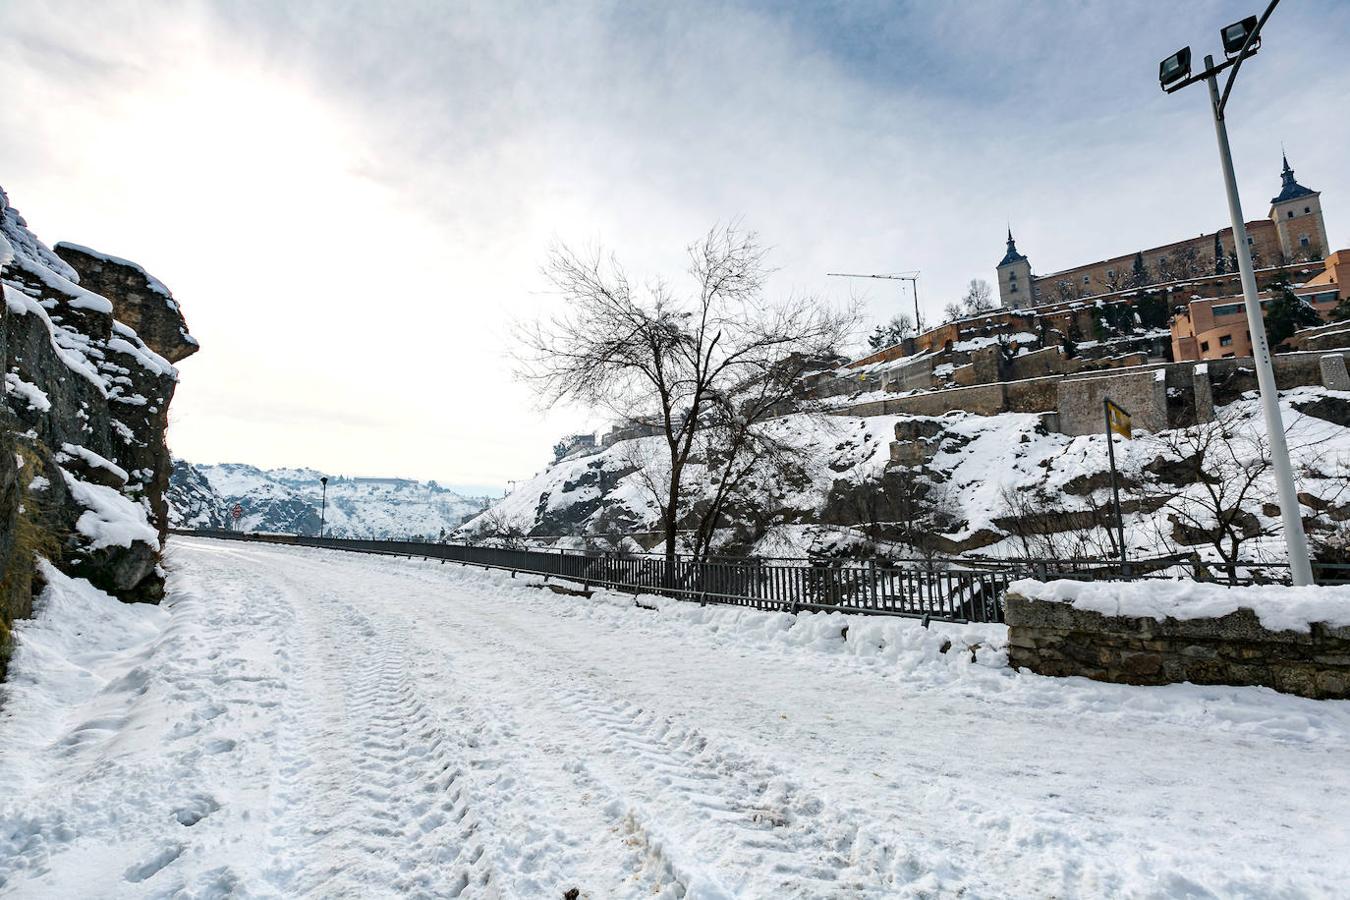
x=288, y=500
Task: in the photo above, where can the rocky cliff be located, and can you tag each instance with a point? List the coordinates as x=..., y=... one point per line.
x=83, y=461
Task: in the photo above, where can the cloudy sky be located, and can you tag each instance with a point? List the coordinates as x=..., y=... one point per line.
x=352, y=199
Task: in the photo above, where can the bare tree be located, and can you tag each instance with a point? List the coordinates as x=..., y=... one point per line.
x=1047, y=529
x=713, y=359
x=952, y=311
x=1210, y=486
x=891, y=333
x=497, y=530
x=979, y=297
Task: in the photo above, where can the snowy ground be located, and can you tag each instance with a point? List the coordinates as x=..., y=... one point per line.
x=313, y=723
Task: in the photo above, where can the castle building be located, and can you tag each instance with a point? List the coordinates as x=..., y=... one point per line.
x=1293, y=231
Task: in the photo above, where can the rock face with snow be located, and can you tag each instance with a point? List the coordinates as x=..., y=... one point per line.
x=85, y=408
x=288, y=501
x=140, y=300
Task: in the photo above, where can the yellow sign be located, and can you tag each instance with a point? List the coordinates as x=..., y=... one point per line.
x=1118, y=419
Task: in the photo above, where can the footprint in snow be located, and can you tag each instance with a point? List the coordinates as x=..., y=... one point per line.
x=195, y=809
x=154, y=864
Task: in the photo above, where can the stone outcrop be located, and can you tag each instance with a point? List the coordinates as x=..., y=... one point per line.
x=83, y=459
x=1057, y=639
x=140, y=300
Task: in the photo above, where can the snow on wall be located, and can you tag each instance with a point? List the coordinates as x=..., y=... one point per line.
x=1279, y=608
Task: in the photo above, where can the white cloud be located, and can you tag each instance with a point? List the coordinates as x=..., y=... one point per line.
x=352, y=200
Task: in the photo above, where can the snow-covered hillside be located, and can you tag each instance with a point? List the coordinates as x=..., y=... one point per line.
x=288, y=501
x=999, y=486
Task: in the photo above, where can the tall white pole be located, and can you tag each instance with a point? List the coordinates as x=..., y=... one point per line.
x=1300, y=568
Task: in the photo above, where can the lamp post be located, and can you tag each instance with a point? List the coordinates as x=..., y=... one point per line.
x=1240, y=41
x=323, y=510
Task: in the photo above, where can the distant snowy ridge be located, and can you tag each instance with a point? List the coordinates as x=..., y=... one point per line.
x=288, y=501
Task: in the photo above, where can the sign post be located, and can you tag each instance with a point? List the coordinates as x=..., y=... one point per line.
x=237, y=513
x=1118, y=421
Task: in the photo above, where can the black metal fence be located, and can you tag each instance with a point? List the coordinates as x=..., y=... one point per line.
x=954, y=590
x=927, y=590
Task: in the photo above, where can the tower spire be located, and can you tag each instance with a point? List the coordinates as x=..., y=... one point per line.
x=1289, y=186
x=1012, y=255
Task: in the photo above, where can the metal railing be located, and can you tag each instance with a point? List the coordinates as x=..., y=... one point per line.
x=928, y=590
x=952, y=590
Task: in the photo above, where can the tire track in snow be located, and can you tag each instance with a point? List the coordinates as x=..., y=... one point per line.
x=706, y=816
x=369, y=788
x=698, y=817
x=546, y=822
x=388, y=791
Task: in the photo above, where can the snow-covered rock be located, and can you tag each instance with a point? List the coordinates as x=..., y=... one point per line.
x=84, y=410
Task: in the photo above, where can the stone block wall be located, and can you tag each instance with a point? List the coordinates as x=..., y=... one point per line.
x=1053, y=638
x=1142, y=394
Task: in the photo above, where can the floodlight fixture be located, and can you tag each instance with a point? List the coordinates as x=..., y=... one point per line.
x=1175, y=68
x=1235, y=36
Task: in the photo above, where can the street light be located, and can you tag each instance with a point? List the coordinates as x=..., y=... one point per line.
x=1240, y=41
x=323, y=510
x=1235, y=36
x=1175, y=67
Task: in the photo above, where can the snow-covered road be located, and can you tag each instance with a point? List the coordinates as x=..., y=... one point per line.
x=300, y=722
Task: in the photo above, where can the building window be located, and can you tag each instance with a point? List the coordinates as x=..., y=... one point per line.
x=1229, y=355
x=1087, y=279
x=1291, y=213
x=1307, y=209
x=1226, y=341
x=1204, y=346
x=1303, y=240
x=1110, y=273
x=1226, y=310
x=1014, y=288
x=1249, y=237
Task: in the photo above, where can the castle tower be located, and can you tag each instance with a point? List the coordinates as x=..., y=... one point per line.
x=1015, y=289
x=1297, y=214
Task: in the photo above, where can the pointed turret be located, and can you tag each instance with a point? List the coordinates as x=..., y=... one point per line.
x=1290, y=189
x=1012, y=255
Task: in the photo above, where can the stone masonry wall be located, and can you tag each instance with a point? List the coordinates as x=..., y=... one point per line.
x=1056, y=639
x=1142, y=394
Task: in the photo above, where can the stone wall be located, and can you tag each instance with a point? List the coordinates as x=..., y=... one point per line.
x=1229, y=378
x=1056, y=639
x=1142, y=394
x=981, y=399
